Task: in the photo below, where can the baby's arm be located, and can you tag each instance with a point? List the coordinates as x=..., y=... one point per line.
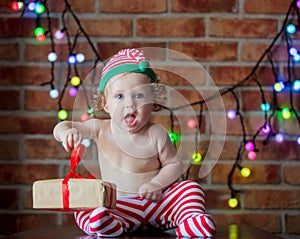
x=71, y=133
x=171, y=167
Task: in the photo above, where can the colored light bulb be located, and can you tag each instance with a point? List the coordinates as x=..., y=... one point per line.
x=73, y=91
x=233, y=202
x=197, y=157
x=39, y=8
x=84, y=117
x=293, y=51
x=279, y=138
x=296, y=58
x=192, y=123
x=31, y=6
x=72, y=59
x=53, y=93
x=62, y=114
x=245, y=172
x=251, y=155
x=75, y=81
x=80, y=57
x=16, y=6
x=298, y=140
x=291, y=28
x=249, y=146
x=59, y=35
x=86, y=142
x=40, y=38
x=173, y=137
x=231, y=114
x=52, y=57
x=266, y=129
x=39, y=31
x=298, y=3
x=286, y=113
x=265, y=107
x=278, y=86
x=296, y=85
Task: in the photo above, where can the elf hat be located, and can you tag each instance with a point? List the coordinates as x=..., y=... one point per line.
x=126, y=60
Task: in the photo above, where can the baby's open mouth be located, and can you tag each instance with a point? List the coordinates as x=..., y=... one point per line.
x=130, y=119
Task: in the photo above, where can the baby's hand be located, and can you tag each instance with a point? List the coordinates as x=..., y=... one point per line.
x=151, y=191
x=71, y=138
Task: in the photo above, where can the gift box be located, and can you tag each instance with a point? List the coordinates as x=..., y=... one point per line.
x=74, y=192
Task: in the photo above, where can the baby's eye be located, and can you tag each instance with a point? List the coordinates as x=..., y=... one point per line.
x=139, y=96
x=119, y=96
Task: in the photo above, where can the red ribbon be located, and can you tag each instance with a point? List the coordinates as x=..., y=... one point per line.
x=75, y=158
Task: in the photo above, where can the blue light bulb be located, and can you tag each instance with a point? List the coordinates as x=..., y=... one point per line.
x=291, y=28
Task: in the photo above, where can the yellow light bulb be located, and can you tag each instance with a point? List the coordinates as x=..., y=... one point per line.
x=245, y=172
x=233, y=202
x=196, y=157
x=75, y=81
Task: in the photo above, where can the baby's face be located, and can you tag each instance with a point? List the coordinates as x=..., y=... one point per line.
x=129, y=101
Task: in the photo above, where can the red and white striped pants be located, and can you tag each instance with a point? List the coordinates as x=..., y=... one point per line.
x=182, y=207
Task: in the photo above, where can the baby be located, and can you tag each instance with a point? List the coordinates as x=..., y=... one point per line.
x=138, y=156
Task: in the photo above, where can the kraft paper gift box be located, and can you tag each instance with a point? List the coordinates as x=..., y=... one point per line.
x=74, y=192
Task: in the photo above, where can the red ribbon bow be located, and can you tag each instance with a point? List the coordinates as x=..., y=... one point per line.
x=76, y=156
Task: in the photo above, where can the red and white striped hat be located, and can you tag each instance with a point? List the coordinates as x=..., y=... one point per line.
x=126, y=60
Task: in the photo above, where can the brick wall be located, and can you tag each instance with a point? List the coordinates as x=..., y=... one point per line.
x=226, y=36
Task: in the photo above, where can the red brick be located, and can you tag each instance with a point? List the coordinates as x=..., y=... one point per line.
x=162, y=27
x=272, y=199
x=77, y=6
x=5, y=6
x=26, y=173
x=232, y=75
x=108, y=49
x=13, y=223
x=267, y=7
x=44, y=149
x=287, y=150
x=292, y=223
x=254, y=51
x=203, y=6
x=241, y=28
x=206, y=51
x=15, y=75
x=260, y=174
x=113, y=27
x=10, y=100
x=9, y=149
x=133, y=6
x=9, y=51
x=9, y=199
x=28, y=125
x=291, y=174
x=267, y=221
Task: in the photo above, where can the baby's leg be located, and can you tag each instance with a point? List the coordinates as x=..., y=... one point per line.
x=103, y=222
x=183, y=206
x=99, y=222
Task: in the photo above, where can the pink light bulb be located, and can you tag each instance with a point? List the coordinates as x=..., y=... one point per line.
x=231, y=114
x=251, y=155
x=73, y=91
x=192, y=123
x=59, y=35
x=249, y=146
x=84, y=117
x=266, y=129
